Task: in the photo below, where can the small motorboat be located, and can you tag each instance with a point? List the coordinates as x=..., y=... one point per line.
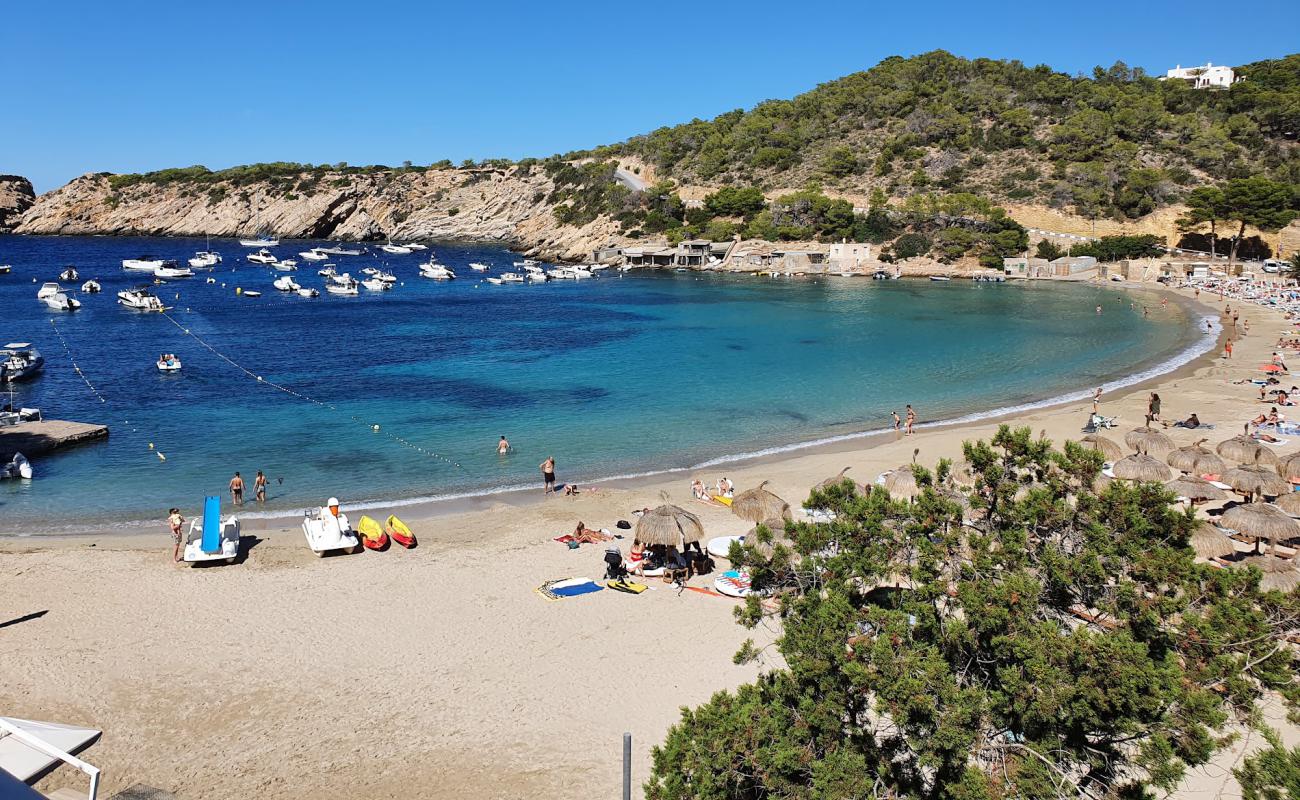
x=581, y=273
x=415, y=246
x=69, y=275
x=479, y=267
x=205, y=259
x=261, y=241
x=376, y=285
x=940, y=278
x=436, y=271
x=287, y=265
x=171, y=271
x=5, y=269
x=386, y=277
x=142, y=264
x=52, y=295
x=262, y=256
x=286, y=284
x=372, y=536
x=343, y=284
x=91, y=287
x=537, y=276
x=212, y=539
x=140, y=299
x=511, y=277
x=328, y=272
x=327, y=529
x=370, y=272
x=18, y=467
x=495, y=281
x=308, y=292
x=252, y=293
x=19, y=361
x=313, y=255
x=338, y=251
x=395, y=249
x=398, y=532
x=168, y=362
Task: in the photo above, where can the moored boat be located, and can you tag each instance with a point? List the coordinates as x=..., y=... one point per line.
x=142, y=264
x=313, y=255
x=19, y=361
x=52, y=295
x=394, y=249
x=205, y=259
x=479, y=266
x=140, y=299
x=436, y=271
x=343, y=284
x=171, y=271
x=168, y=362
x=261, y=241
x=285, y=284
x=91, y=287
x=69, y=274
x=338, y=251
x=262, y=256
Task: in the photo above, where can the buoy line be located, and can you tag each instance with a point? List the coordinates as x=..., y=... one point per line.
x=80, y=374
x=374, y=427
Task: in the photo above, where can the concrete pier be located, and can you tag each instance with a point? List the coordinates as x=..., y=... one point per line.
x=37, y=438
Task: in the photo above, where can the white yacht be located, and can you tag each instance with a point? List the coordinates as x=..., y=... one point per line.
x=286, y=284
x=395, y=249
x=415, y=246
x=262, y=256
x=580, y=273
x=19, y=361
x=376, y=285
x=205, y=259
x=91, y=287
x=313, y=255
x=142, y=264
x=561, y=274
x=436, y=271
x=386, y=277
x=285, y=265
x=261, y=241
x=327, y=272
x=140, y=299
x=52, y=295
x=537, y=276
x=479, y=266
x=511, y=277
x=338, y=251
x=343, y=284
x=171, y=271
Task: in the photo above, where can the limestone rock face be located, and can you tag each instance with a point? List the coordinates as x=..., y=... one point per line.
x=16, y=196
x=496, y=205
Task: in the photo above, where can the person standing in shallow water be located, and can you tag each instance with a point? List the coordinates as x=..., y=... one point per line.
x=237, y=490
x=259, y=487
x=548, y=474
x=503, y=446
x=898, y=422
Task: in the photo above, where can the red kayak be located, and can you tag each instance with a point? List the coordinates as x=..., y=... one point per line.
x=371, y=535
x=400, y=533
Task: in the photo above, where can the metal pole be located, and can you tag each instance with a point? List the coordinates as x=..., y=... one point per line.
x=627, y=766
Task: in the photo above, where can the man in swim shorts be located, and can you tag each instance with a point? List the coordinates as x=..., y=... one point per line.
x=237, y=490
x=548, y=474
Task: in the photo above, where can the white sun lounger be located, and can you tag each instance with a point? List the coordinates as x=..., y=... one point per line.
x=29, y=747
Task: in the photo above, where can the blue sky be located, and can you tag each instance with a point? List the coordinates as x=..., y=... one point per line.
x=132, y=86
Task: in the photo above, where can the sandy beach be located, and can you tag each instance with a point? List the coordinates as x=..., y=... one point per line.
x=440, y=672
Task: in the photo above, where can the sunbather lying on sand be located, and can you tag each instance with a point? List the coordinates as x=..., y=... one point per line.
x=584, y=535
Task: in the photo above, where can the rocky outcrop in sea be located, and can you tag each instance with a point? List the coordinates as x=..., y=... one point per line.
x=16, y=196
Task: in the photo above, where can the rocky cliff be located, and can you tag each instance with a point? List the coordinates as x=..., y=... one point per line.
x=507, y=205
x=16, y=196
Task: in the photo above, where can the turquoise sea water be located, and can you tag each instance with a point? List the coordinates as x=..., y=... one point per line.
x=622, y=374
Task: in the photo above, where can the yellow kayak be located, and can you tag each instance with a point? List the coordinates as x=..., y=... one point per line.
x=726, y=501
x=372, y=536
x=400, y=533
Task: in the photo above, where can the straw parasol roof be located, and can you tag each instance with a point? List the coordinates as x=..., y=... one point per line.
x=1141, y=467
x=962, y=474
x=1195, y=489
x=1210, y=542
x=1246, y=450
x=836, y=480
x=902, y=483
x=1278, y=574
x=1148, y=440
x=669, y=525
x=1195, y=460
x=776, y=525
x=1289, y=468
x=1289, y=502
x=1109, y=450
x=1260, y=521
x=758, y=504
x=1254, y=479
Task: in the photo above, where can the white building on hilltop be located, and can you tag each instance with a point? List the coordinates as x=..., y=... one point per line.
x=1206, y=77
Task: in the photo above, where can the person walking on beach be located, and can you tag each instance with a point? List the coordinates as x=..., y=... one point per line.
x=898, y=422
x=911, y=419
x=548, y=474
x=175, y=520
x=237, y=490
x=1096, y=399
x=1227, y=349
x=503, y=446
x=259, y=487
x=1153, y=407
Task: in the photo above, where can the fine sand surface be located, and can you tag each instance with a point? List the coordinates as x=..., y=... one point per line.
x=439, y=672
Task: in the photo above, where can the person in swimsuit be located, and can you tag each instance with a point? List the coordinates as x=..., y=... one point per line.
x=503, y=446
x=259, y=487
x=636, y=557
x=1096, y=399
x=548, y=474
x=237, y=490
x=911, y=419
x=175, y=520
x=898, y=422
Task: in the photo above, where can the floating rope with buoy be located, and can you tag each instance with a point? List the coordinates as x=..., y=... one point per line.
x=374, y=427
x=84, y=379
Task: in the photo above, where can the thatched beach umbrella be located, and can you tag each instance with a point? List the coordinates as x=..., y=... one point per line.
x=1210, y=542
x=1109, y=450
x=1195, y=460
x=1278, y=574
x=776, y=525
x=1141, y=467
x=902, y=483
x=669, y=525
x=1260, y=521
x=963, y=474
x=758, y=504
x=1289, y=502
x=1148, y=440
x=1195, y=489
x=836, y=480
x=1289, y=468
x=1246, y=450
x=1254, y=479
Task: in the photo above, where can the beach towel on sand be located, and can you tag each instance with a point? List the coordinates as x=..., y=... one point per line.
x=626, y=586
x=567, y=587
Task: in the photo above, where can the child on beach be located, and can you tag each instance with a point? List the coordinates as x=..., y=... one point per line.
x=176, y=521
x=898, y=422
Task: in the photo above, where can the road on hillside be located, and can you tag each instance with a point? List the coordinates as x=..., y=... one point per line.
x=630, y=180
